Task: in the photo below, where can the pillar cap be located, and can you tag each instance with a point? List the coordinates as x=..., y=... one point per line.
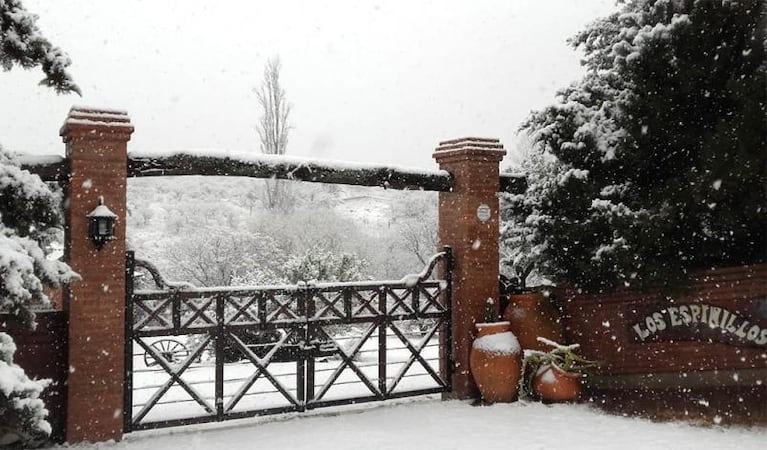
x=109, y=123
x=470, y=148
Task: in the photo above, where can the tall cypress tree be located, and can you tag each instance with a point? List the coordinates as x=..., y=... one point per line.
x=660, y=148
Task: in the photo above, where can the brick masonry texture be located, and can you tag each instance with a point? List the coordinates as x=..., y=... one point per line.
x=97, y=155
x=474, y=166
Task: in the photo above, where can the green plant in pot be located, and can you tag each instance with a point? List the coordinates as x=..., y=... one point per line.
x=555, y=375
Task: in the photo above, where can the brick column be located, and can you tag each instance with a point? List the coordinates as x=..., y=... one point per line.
x=468, y=222
x=96, y=151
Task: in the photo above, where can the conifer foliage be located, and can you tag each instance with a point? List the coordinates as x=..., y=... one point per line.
x=29, y=220
x=654, y=162
x=22, y=43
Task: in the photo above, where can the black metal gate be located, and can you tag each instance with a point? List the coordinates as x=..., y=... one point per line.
x=211, y=354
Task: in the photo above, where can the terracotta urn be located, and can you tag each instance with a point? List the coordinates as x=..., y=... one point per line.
x=531, y=314
x=496, y=362
x=554, y=385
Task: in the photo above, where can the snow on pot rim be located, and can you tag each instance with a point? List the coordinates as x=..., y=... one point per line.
x=541, y=372
x=498, y=344
x=492, y=324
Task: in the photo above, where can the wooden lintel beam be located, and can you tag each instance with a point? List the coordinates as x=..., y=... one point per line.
x=513, y=184
x=54, y=170
x=51, y=171
x=315, y=171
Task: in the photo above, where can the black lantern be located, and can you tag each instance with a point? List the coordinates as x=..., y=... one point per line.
x=102, y=224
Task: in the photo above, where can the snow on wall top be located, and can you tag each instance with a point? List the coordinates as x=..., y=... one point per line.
x=471, y=143
x=98, y=110
x=84, y=115
x=27, y=160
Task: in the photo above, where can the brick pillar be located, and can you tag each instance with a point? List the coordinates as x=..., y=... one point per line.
x=96, y=151
x=468, y=222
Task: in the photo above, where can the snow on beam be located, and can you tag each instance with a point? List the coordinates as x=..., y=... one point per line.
x=47, y=167
x=513, y=183
x=52, y=168
x=289, y=168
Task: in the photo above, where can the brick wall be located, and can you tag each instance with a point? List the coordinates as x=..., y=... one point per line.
x=710, y=374
x=42, y=353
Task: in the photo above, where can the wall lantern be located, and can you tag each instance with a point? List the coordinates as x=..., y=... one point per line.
x=102, y=224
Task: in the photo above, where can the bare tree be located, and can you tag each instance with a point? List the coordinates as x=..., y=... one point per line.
x=415, y=217
x=273, y=128
x=223, y=256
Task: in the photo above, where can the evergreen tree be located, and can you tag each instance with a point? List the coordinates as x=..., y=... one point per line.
x=659, y=149
x=29, y=219
x=22, y=43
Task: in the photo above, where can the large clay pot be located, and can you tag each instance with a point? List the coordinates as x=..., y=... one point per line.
x=552, y=384
x=531, y=315
x=496, y=362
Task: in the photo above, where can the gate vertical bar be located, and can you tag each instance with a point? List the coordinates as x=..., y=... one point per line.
x=305, y=364
x=176, y=312
x=130, y=267
x=382, y=357
x=219, y=343
x=446, y=349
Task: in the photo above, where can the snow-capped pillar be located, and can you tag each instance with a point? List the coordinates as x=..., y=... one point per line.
x=468, y=222
x=96, y=151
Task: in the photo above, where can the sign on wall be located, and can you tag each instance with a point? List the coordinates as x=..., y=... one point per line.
x=702, y=322
x=484, y=213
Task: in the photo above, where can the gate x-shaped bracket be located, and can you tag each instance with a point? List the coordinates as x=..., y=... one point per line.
x=175, y=377
x=261, y=366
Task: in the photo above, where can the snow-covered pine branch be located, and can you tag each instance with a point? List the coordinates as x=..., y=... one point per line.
x=22, y=43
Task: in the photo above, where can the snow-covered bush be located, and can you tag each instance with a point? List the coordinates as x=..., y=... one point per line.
x=657, y=154
x=29, y=220
x=321, y=264
x=224, y=257
x=22, y=413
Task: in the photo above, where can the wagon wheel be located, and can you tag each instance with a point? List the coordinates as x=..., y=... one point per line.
x=173, y=351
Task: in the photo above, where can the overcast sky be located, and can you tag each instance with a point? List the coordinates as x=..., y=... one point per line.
x=375, y=81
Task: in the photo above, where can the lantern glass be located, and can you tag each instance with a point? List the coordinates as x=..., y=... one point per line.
x=103, y=226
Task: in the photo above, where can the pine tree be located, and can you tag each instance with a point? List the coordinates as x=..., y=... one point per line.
x=22, y=43
x=29, y=219
x=660, y=148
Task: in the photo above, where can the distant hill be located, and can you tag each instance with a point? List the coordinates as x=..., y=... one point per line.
x=389, y=229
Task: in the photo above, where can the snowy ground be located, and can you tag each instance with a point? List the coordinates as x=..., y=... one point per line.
x=428, y=423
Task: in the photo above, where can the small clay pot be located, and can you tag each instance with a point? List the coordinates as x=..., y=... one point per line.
x=496, y=362
x=554, y=385
x=531, y=315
